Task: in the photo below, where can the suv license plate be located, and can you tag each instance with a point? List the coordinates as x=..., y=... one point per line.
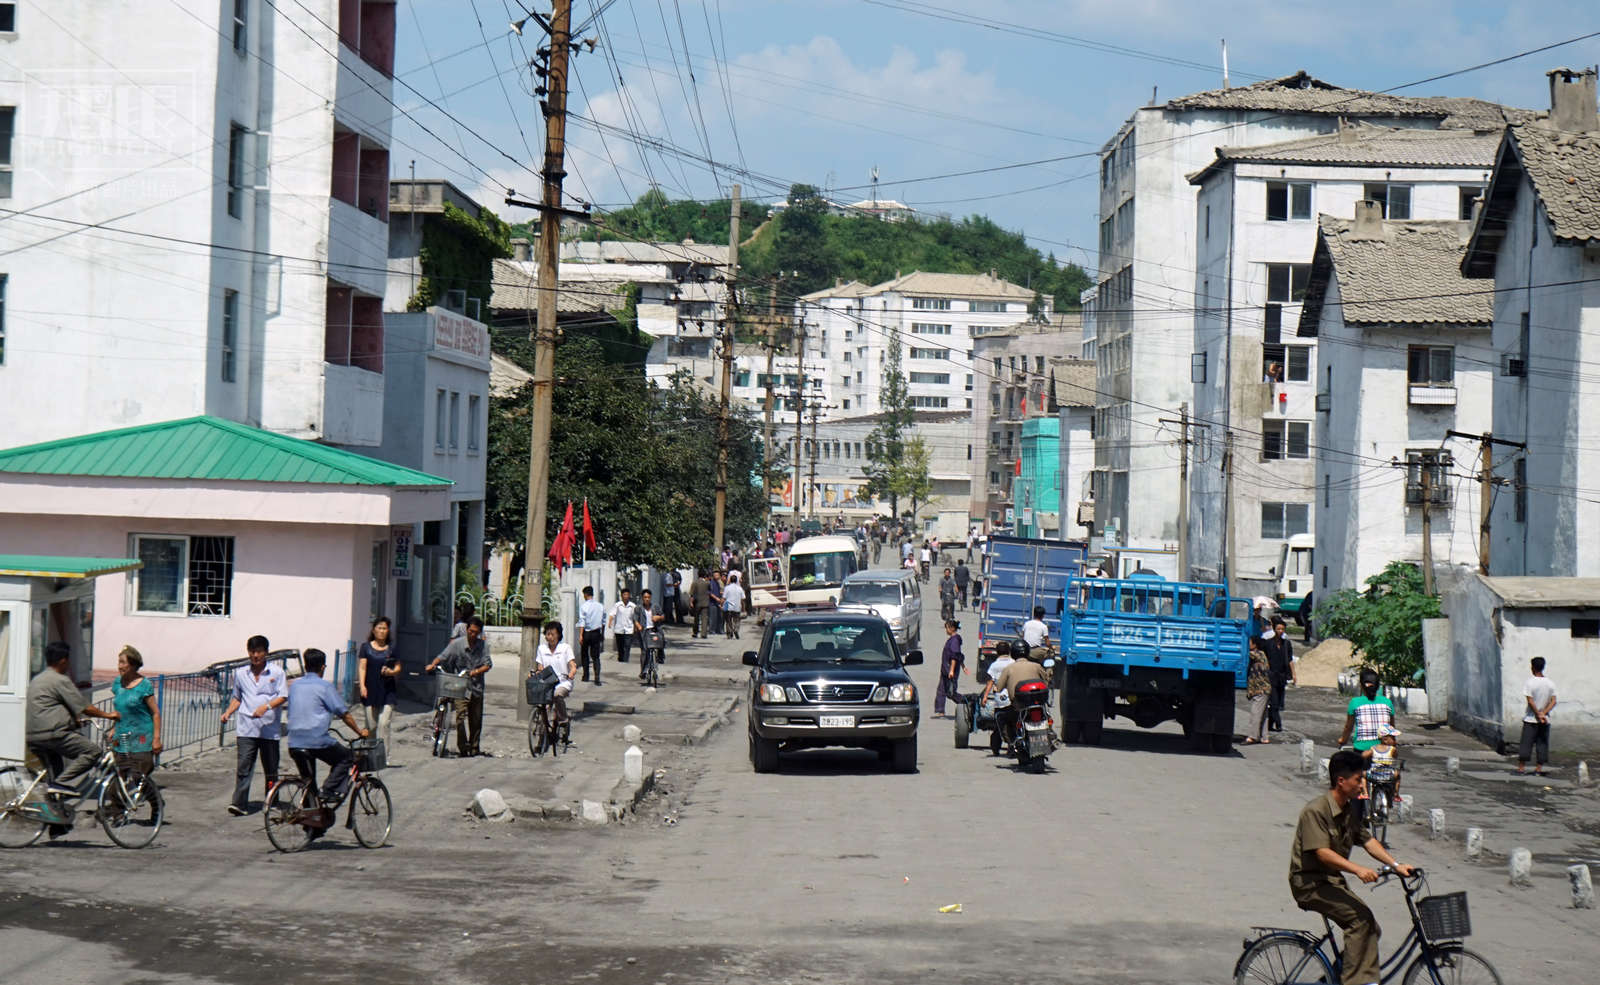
x=836, y=721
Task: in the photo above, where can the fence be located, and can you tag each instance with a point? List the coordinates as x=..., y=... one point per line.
x=493, y=611
x=191, y=705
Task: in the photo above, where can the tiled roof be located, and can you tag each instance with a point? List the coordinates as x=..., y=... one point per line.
x=506, y=377
x=953, y=285
x=1073, y=382
x=615, y=251
x=1565, y=170
x=847, y=289
x=208, y=448
x=1365, y=144
x=516, y=289
x=1408, y=273
x=1300, y=93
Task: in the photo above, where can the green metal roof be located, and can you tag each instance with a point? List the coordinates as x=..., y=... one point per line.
x=208, y=448
x=41, y=566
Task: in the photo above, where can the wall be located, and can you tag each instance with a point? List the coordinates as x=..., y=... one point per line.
x=1476, y=693
x=1573, y=664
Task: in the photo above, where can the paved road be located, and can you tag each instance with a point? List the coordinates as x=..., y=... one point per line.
x=1132, y=862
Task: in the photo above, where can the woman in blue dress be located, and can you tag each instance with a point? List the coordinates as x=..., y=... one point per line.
x=137, y=738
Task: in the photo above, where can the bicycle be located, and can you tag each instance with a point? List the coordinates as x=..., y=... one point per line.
x=295, y=812
x=448, y=688
x=542, y=729
x=1280, y=956
x=128, y=804
x=1381, y=795
x=655, y=642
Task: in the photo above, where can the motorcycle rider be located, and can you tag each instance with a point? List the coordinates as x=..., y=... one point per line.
x=1034, y=632
x=1020, y=671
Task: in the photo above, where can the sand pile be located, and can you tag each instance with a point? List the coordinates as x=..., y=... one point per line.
x=1321, y=666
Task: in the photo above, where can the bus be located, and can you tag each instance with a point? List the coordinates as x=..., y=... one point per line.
x=818, y=565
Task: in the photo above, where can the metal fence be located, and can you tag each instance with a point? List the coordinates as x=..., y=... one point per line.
x=192, y=704
x=493, y=611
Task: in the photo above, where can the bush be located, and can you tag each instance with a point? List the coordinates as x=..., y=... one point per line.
x=1384, y=622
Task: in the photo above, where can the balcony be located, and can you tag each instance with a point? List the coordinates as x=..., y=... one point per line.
x=352, y=405
x=1432, y=396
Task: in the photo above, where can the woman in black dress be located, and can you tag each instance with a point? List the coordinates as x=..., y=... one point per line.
x=379, y=672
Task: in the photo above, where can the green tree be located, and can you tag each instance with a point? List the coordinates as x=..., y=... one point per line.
x=1383, y=622
x=886, y=442
x=802, y=246
x=911, y=478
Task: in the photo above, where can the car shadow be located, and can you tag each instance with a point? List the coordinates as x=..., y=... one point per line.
x=834, y=762
x=1158, y=740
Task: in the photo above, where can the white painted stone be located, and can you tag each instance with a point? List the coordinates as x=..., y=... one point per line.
x=488, y=803
x=1521, y=867
x=1582, y=887
x=1406, y=807
x=1308, y=755
x=593, y=810
x=1474, y=842
x=633, y=764
x=1583, y=775
x=631, y=733
x=1452, y=766
x=1436, y=821
x=1322, y=770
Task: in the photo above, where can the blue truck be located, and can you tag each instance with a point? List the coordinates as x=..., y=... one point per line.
x=1021, y=573
x=1152, y=651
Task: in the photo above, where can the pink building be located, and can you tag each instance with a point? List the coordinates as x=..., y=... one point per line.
x=241, y=532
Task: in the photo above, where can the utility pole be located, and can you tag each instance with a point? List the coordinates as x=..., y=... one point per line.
x=1184, y=423
x=799, y=414
x=1486, y=481
x=1227, y=511
x=816, y=411
x=544, y=362
x=1427, y=526
x=727, y=374
x=766, y=424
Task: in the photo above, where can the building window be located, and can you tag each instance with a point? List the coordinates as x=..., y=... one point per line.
x=1436, y=464
x=930, y=304
x=1285, y=439
x=1327, y=489
x=921, y=328
x=931, y=403
x=986, y=306
x=1197, y=367
x=1585, y=629
x=937, y=379
x=1280, y=521
x=930, y=353
x=859, y=377
x=441, y=423
x=241, y=8
x=1208, y=222
x=1519, y=490
x=1288, y=200
x=474, y=414
x=455, y=420
x=230, y=335
x=8, y=121
x=182, y=576
x=1324, y=576
x=1469, y=198
x=1395, y=200
x=741, y=377
x=1038, y=364
x=236, y=170
x=1293, y=363
x=1431, y=366
x=1286, y=282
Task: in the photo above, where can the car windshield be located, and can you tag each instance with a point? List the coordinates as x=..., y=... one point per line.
x=820, y=570
x=871, y=593
x=831, y=643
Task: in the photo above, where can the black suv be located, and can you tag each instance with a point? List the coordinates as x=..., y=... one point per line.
x=829, y=678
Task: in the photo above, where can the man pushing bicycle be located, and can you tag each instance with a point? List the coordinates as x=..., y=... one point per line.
x=1329, y=827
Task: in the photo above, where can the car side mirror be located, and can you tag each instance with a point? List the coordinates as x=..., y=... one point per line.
x=751, y=658
x=914, y=657
x=1272, y=571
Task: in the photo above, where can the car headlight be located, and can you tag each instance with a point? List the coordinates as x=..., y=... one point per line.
x=895, y=622
x=773, y=694
x=880, y=694
x=901, y=693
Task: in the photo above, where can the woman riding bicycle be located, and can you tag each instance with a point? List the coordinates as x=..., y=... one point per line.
x=557, y=656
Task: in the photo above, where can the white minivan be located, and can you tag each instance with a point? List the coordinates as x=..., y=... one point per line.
x=896, y=596
x=818, y=567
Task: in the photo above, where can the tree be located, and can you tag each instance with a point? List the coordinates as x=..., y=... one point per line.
x=911, y=475
x=1384, y=622
x=886, y=443
x=802, y=245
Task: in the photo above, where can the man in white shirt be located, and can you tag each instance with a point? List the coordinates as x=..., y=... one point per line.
x=732, y=606
x=591, y=633
x=622, y=625
x=1540, y=694
x=1002, y=660
x=1034, y=632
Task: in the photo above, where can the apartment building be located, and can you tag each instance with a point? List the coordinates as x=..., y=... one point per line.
x=1143, y=321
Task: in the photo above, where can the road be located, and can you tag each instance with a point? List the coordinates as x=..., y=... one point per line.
x=1135, y=861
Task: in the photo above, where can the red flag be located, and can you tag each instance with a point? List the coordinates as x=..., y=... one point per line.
x=588, y=530
x=1019, y=465
x=561, y=550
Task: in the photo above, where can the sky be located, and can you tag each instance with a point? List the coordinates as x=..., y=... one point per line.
x=768, y=93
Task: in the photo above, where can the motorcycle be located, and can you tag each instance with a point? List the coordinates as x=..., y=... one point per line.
x=1028, y=733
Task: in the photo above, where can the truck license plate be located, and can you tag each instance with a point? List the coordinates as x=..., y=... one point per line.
x=836, y=721
x=1109, y=683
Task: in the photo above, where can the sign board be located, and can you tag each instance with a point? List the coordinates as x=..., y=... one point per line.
x=459, y=333
x=400, y=552
x=1027, y=516
x=1011, y=515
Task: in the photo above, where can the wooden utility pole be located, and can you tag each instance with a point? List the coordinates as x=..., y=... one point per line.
x=1183, y=492
x=544, y=361
x=728, y=335
x=1486, y=480
x=766, y=424
x=1227, y=512
x=799, y=414
x=1427, y=526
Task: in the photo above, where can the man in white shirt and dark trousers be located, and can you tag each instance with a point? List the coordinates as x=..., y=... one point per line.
x=1540, y=694
x=732, y=606
x=622, y=625
x=592, y=633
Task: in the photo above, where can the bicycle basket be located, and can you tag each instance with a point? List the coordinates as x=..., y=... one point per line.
x=370, y=755
x=1383, y=774
x=538, y=692
x=451, y=686
x=1444, y=918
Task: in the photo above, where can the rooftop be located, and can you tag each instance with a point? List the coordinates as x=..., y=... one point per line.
x=208, y=448
x=516, y=288
x=1547, y=593
x=1367, y=144
x=1395, y=271
x=1072, y=382
x=615, y=251
x=1300, y=93
x=41, y=566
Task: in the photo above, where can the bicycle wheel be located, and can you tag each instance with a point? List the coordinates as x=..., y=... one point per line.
x=1453, y=965
x=441, y=730
x=1282, y=961
x=371, y=813
x=286, y=802
x=131, y=809
x=18, y=828
x=538, y=730
x=1378, y=815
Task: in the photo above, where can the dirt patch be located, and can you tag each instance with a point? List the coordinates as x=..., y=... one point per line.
x=1321, y=666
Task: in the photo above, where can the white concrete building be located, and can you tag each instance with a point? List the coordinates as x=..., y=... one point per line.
x=839, y=450
x=1150, y=233
x=202, y=195
x=1537, y=243
x=1256, y=212
x=1403, y=358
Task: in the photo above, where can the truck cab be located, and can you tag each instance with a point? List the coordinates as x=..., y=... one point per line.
x=1296, y=573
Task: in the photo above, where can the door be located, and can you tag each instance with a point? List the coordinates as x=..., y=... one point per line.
x=426, y=608
x=13, y=678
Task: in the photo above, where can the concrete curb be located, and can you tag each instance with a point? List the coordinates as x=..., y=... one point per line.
x=715, y=719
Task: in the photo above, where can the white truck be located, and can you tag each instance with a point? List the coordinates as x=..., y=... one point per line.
x=951, y=528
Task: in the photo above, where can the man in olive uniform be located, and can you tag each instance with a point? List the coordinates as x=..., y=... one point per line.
x=1330, y=826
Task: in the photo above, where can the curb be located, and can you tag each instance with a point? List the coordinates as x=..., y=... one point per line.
x=715, y=718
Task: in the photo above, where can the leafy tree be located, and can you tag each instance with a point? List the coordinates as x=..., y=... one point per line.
x=911, y=478
x=1383, y=622
x=886, y=442
x=802, y=246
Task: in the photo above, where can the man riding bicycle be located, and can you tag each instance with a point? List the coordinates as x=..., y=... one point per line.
x=1329, y=827
x=313, y=703
x=55, y=706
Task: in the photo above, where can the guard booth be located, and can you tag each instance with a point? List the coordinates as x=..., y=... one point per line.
x=44, y=600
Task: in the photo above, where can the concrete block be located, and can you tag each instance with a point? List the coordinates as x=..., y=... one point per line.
x=633, y=764
x=558, y=812
x=606, y=708
x=1452, y=766
x=1436, y=822
x=1406, y=807
x=593, y=810
x=524, y=807
x=1521, y=867
x=487, y=803
x=1583, y=775
x=632, y=733
x=1474, y=842
x=1308, y=755
x=1582, y=887
x=1322, y=771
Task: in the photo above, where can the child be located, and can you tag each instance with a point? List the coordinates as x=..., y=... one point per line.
x=1383, y=754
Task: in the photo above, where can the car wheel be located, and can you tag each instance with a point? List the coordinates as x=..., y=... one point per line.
x=905, y=755
x=763, y=754
x=963, y=724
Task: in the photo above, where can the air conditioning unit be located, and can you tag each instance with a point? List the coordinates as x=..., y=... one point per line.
x=1513, y=365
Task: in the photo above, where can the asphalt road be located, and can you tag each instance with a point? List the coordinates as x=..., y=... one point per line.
x=1135, y=861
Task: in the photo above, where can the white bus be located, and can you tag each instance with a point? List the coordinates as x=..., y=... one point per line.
x=817, y=567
